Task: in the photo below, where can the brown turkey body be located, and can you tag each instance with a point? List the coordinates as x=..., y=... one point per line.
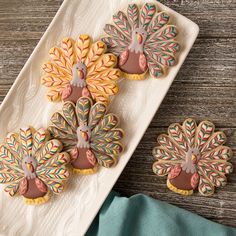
x=76, y=93
x=33, y=192
x=182, y=181
x=82, y=162
x=131, y=66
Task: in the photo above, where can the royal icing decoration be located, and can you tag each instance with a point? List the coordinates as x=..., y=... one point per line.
x=143, y=40
x=89, y=134
x=81, y=68
x=32, y=165
x=193, y=157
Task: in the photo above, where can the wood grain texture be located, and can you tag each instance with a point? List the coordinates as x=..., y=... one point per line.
x=205, y=88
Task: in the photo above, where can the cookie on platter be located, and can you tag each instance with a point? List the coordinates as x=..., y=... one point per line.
x=81, y=68
x=32, y=165
x=88, y=133
x=143, y=40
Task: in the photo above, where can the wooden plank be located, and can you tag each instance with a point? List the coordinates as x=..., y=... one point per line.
x=215, y=18
x=182, y=101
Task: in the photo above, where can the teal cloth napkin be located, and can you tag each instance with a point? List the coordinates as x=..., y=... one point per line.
x=141, y=215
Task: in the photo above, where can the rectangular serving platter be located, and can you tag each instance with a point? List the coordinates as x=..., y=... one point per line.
x=72, y=212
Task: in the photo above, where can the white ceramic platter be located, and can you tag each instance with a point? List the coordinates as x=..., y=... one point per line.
x=72, y=212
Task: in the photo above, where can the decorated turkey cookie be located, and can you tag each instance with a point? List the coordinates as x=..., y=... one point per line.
x=193, y=157
x=143, y=40
x=89, y=134
x=81, y=68
x=32, y=165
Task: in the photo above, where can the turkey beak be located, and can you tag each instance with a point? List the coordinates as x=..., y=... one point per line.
x=194, y=159
x=80, y=74
x=30, y=167
x=84, y=135
x=139, y=38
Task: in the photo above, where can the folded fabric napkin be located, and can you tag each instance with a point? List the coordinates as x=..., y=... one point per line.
x=141, y=215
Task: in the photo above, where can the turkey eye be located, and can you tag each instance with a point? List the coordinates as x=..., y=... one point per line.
x=25, y=162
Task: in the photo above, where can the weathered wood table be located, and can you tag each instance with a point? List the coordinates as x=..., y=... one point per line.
x=205, y=88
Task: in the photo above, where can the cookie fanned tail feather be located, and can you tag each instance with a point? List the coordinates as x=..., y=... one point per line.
x=122, y=23
x=146, y=14
x=158, y=21
x=133, y=15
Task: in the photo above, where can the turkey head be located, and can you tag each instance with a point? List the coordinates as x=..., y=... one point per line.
x=83, y=134
x=29, y=165
x=78, y=86
x=79, y=72
x=133, y=60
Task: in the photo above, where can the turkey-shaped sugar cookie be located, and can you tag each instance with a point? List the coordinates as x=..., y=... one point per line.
x=81, y=68
x=32, y=165
x=193, y=157
x=143, y=40
x=89, y=134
